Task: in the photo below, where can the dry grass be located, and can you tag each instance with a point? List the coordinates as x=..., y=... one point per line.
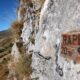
x=23, y=66
x=5, y=47
x=42, y=2
x=22, y=10
x=28, y=2
x=3, y=71
x=17, y=28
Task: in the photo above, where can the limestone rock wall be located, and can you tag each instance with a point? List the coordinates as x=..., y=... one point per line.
x=43, y=25
x=57, y=17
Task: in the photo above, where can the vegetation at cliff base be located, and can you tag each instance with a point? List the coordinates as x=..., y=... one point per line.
x=23, y=66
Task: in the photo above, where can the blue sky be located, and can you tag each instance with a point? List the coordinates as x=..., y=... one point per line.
x=7, y=13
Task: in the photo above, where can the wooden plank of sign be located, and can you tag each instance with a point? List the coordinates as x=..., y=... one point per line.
x=71, y=39
x=70, y=45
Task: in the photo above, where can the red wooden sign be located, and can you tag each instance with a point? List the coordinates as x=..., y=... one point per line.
x=70, y=46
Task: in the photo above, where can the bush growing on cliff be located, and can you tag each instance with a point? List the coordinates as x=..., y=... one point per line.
x=25, y=1
x=22, y=11
x=29, y=2
x=17, y=28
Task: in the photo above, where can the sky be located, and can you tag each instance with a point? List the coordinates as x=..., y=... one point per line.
x=7, y=13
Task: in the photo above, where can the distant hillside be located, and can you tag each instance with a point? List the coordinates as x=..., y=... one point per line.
x=5, y=41
x=5, y=50
x=5, y=33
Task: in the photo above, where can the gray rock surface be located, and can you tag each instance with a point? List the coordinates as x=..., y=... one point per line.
x=56, y=17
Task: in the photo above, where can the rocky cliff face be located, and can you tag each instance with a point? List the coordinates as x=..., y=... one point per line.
x=43, y=24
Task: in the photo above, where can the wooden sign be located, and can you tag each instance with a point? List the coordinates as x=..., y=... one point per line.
x=70, y=46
